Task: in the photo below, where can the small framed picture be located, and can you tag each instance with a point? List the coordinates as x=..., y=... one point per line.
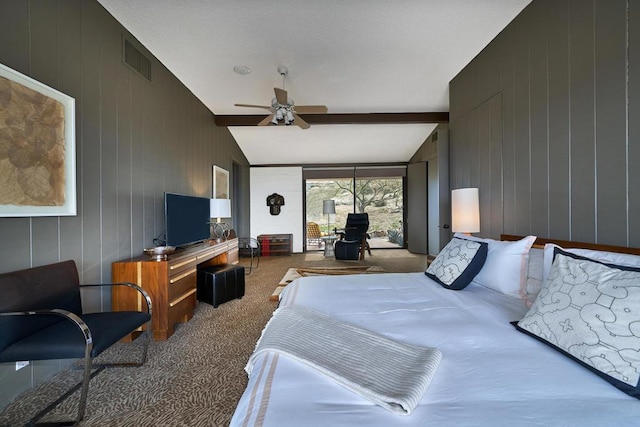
x=220, y=183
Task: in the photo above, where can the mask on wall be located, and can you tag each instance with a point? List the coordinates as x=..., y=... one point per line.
x=274, y=202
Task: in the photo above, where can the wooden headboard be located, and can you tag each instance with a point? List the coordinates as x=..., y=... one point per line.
x=540, y=242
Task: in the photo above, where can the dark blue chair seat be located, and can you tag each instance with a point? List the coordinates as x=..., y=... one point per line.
x=64, y=340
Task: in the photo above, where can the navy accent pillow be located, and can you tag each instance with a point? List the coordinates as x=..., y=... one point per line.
x=590, y=311
x=458, y=263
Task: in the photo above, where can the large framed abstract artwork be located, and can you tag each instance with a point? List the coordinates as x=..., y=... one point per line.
x=220, y=183
x=37, y=148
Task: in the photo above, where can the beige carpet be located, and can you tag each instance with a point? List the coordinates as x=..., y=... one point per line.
x=296, y=273
x=196, y=377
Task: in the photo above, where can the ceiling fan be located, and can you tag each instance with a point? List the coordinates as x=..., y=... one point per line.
x=283, y=110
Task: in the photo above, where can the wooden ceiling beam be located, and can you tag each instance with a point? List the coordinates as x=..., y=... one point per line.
x=339, y=118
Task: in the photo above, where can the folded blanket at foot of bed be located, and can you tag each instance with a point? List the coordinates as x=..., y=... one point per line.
x=389, y=373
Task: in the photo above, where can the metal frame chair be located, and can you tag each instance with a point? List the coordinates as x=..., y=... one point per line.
x=42, y=319
x=250, y=246
x=314, y=235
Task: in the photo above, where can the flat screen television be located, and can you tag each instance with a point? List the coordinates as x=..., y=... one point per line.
x=186, y=219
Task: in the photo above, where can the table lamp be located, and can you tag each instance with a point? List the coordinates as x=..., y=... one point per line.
x=465, y=211
x=219, y=208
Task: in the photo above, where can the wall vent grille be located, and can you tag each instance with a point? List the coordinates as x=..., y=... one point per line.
x=136, y=60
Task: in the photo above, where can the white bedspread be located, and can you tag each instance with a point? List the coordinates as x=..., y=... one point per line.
x=490, y=374
x=389, y=373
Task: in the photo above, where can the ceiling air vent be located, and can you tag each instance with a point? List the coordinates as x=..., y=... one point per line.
x=136, y=60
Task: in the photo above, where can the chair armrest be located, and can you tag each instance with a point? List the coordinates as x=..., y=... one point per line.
x=129, y=284
x=84, y=328
x=249, y=242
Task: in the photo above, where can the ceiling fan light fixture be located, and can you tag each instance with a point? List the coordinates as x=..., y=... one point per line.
x=283, y=108
x=243, y=70
x=289, y=117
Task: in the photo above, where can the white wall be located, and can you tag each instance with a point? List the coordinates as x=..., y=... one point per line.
x=286, y=181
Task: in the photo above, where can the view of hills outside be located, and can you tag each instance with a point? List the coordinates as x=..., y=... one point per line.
x=381, y=198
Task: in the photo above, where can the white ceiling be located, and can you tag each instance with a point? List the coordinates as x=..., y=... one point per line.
x=356, y=56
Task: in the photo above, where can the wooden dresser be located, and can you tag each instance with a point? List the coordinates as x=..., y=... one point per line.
x=171, y=283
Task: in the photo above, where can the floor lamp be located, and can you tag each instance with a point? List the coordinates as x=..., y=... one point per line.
x=328, y=208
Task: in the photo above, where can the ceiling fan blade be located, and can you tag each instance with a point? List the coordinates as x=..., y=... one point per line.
x=311, y=109
x=252, y=106
x=266, y=120
x=281, y=96
x=301, y=123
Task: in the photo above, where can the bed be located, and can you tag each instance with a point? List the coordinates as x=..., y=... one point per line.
x=490, y=373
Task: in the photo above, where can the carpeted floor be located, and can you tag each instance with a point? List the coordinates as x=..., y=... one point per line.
x=196, y=377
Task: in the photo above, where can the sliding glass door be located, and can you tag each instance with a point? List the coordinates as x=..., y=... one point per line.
x=376, y=191
x=382, y=199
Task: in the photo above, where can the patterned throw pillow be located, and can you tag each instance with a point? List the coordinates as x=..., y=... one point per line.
x=590, y=311
x=458, y=263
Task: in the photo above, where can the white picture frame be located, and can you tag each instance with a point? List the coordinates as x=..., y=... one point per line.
x=220, y=185
x=37, y=178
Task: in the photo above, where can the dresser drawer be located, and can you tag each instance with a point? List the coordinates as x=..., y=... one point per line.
x=182, y=282
x=180, y=265
x=181, y=308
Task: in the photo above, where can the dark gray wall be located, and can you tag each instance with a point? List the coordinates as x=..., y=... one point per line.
x=544, y=122
x=135, y=140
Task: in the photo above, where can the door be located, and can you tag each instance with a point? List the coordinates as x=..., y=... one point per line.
x=417, y=219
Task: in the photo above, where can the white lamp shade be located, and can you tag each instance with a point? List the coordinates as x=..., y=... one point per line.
x=220, y=208
x=465, y=210
x=328, y=207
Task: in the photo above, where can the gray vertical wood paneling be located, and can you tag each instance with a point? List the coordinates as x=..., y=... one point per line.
x=569, y=89
x=522, y=130
x=69, y=80
x=14, y=26
x=558, y=71
x=507, y=67
x=43, y=42
x=581, y=56
x=137, y=196
x=473, y=151
x=633, y=124
x=134, y=141
x=539, y=207
x=124, y=173
x=110, y=54
x=44, y=68
x=495, y=184
x=610, y=95
x=483, y=160
x=90, y=143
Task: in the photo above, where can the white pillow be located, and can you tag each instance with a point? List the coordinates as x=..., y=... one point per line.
x=534, y=274
x=626, y=260
x=505, y=269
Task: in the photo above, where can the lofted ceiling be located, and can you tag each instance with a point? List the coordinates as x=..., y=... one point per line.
x=357, y=56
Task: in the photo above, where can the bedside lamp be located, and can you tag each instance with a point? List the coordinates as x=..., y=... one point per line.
x=328, y=208
x=465, y=211
x=220, y=208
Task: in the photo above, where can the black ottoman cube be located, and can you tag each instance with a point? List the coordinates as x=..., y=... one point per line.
x=220, y=283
